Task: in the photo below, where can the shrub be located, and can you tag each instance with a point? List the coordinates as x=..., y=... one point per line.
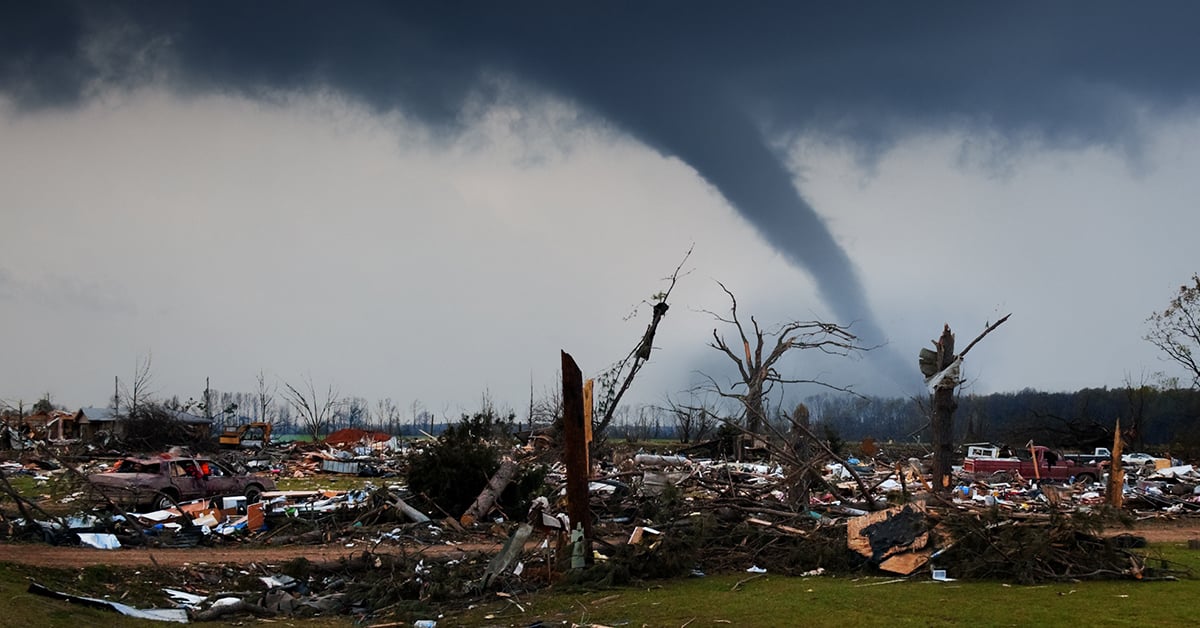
x=452, y=472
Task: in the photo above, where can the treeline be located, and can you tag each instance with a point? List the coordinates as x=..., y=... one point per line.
x=1150, y=417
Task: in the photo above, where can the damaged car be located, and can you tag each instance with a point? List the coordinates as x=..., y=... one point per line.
x=162, y=481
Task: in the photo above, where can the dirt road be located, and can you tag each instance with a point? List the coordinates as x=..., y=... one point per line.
x=1155, y=531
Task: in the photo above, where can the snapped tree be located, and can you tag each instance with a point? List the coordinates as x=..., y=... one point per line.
x=617, y=380
x=942, y=371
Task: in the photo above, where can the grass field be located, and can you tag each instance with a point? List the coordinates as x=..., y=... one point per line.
x=766, y=600
x=722, y=600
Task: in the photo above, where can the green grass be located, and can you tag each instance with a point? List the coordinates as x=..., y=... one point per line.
x=290, y=438
x=137, y=588
x=722, y=600
x=22, y=608
x=870, y=601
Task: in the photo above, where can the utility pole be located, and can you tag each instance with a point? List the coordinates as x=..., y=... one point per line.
x=208, y=401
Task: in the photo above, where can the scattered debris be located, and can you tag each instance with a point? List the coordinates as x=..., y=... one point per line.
x=157, y=614
x=652, y=514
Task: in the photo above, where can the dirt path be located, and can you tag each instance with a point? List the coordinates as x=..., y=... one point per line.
x=1165, y=530
x=1155, y=531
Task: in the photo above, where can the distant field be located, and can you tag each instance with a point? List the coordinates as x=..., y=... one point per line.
x=290, y=438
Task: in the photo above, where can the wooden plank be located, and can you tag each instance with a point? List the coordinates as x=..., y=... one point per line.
x=859, y=542
x=907, y=562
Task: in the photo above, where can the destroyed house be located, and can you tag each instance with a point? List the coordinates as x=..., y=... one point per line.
x=52, y=425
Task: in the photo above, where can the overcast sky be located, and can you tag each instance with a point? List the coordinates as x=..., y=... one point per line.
x=429, y=203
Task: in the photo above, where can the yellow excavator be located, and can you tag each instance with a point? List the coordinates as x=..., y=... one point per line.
x=248, y=436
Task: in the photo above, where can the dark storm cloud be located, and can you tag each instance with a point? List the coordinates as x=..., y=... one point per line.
x=696, y=80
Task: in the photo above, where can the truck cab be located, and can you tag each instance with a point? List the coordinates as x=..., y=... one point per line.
x=248, y=436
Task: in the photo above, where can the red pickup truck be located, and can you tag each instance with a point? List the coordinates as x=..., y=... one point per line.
x=1045, y=464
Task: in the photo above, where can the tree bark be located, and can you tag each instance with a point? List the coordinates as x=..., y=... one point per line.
x=491, y=493
x=944, y=406
x=575, y=455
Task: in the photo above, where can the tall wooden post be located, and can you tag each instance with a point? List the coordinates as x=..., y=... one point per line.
x=944, y=406
x=575, y=456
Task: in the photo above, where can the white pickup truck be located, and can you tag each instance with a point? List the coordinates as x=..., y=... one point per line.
x=1098, y=455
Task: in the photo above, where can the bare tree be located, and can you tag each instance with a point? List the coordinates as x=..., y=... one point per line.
x=387, y=415
x=547, y=410
x=418, y=414
x=139, y=390
x=693, y=421
x=761, y=351
x=352, y=413
x=315, y=411
x=1176, y=330
x=264, y=399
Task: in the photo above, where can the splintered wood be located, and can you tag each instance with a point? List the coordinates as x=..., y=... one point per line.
x=895, y=539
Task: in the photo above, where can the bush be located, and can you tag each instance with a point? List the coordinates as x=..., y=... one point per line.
x=452, y=472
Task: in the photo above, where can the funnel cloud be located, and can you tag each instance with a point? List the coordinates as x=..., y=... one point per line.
x=713, y=84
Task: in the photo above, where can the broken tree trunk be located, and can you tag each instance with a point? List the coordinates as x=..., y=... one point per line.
x=942, y=370
x=575, y=456
x=944, y=405
x=491, y=493
x=1116, y=472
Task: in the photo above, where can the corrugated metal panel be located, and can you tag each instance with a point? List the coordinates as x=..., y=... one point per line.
x=337, y=466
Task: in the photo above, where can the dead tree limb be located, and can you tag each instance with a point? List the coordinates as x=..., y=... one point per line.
x=632, y=363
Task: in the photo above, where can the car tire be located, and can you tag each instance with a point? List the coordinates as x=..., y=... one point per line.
x=253, y=494
x=165, y=500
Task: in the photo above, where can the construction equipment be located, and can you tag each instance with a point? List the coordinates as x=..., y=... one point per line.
x=248, y=436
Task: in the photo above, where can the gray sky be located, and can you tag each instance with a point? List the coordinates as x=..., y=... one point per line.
x=429, y=204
